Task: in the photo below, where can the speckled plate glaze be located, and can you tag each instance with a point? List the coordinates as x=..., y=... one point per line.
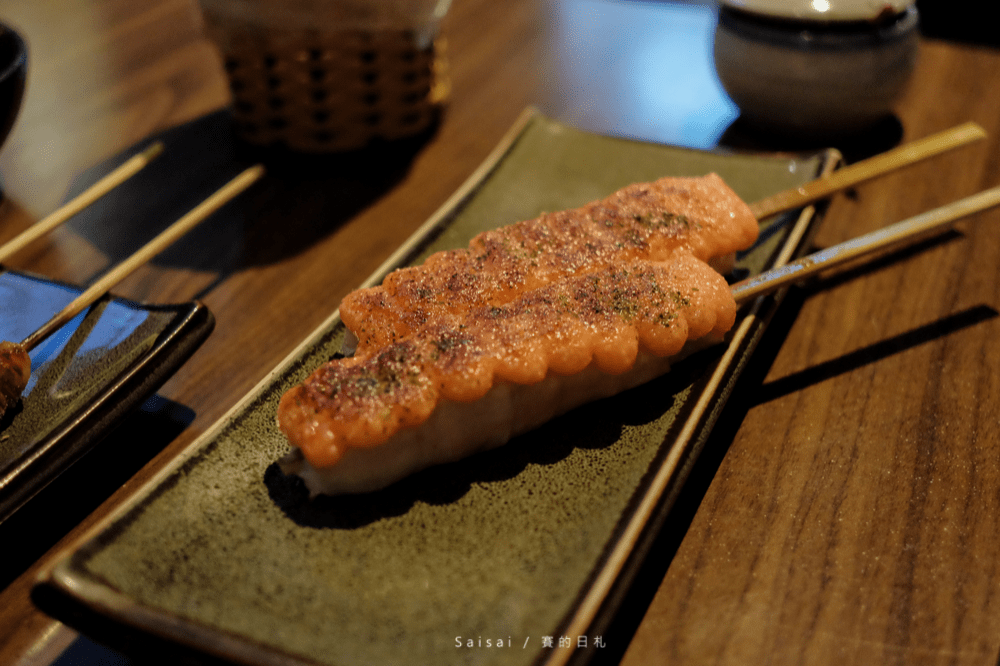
x=84, y=378
x=221, y=555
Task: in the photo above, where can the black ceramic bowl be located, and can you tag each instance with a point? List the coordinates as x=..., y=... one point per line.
x=13, y=72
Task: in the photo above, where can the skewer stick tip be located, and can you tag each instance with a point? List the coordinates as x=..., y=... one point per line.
x=853, y=174
x=975, y=130
x=152, y=150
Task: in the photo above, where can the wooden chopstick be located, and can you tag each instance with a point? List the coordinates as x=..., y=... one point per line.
x=144, y=254
x=895, y=234
x=859, y=172
x=109, y=182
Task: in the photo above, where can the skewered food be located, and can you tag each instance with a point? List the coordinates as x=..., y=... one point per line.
x=646, y=221
x=480, y=344
x=459, y=386
x=15, y=369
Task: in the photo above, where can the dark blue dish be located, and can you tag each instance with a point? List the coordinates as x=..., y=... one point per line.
x=85, y=378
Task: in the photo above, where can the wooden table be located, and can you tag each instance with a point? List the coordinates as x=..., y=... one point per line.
x=846, y=509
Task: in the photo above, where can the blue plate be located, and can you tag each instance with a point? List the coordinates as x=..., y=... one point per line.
x=85, y=377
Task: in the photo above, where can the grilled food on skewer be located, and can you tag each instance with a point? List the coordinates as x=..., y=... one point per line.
x=646, y=221
x=479, y=344
x=465, y=379
x=458, y=386
x=15, y=369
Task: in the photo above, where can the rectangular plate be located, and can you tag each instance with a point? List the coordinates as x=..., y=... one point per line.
x=222, y=554
x=84, y=378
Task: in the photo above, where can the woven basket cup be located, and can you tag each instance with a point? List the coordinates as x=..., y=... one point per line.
x=322, y=83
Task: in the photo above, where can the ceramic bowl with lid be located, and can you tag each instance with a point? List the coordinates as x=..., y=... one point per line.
x=815, y=68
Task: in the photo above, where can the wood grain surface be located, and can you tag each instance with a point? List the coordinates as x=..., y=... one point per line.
x=845, y=511
x=853, y=517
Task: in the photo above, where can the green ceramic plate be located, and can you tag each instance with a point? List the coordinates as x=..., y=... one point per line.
x=485, y=561
x=85, y=377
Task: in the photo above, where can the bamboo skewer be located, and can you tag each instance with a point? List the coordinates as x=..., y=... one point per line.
x=144, y=254
x=895, y=234
x=859, y=172
x=15, y=365
x=109, y=182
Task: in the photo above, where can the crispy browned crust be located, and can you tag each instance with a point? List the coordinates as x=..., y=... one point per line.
x=599, y=319
x=15, y=369
x=645, y=221
x=577, y=289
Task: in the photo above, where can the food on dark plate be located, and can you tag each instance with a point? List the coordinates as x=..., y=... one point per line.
x=15, y=369
x=480, y=344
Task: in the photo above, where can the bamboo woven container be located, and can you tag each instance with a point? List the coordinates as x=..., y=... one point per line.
x=330, y=75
